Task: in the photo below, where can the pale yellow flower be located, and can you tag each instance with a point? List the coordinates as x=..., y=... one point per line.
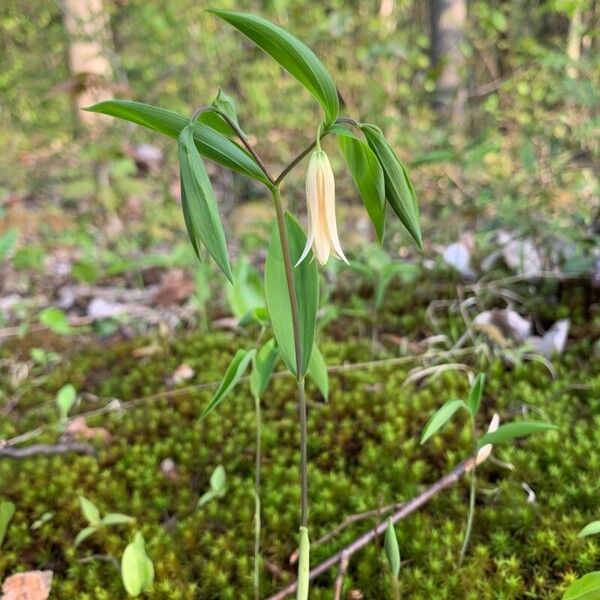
x=320, y=199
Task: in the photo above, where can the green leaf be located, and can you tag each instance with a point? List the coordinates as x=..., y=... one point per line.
x=509, y=431
x=218, y=480
x=65, y=399
x=303, y=565
x=56, y=320
x=474, y=401
x=7, y=510
x=7, y=241
x=90, y=511
x=246, y=294
x=590, y=529
x=306, y=280
x=84, y=534
x=263, y=365
x=399, y=191
x=218, y=487
x=199, y=204
x=137, y=570
x=392, y=550
x=117, y=519
x=368, y=177
x=440, y=418
x=209, y=142
x=293, y=55
x=317, y=371
x=226, y=104
x=585, y=588
x=235, y=371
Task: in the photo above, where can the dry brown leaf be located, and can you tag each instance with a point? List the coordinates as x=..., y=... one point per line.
x=31, y=585
x=144, y=351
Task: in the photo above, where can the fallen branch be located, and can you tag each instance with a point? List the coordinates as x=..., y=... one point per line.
x=344, y=555
x=46, y=450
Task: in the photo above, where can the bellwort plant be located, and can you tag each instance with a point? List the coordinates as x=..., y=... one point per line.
x=291, y=279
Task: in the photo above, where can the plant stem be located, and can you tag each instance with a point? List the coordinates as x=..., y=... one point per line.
x=257, y=466
x=285, y=249
x=472, y=494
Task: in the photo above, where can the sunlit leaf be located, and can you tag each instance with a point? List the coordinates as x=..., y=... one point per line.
x=306, y=281
x=90, y=511
x=137, y=570
x=56, y=320
x=516, y=429
x=209, y=142
x=440, y=418
x=199, y=204
x=117, y=519
x=65, y=400
x=293, y=55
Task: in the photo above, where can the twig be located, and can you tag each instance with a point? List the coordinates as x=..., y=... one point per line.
x=46, y=450
x=339, y=580
x=406, y=509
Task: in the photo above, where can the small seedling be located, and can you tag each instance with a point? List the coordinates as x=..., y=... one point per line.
x=218, y=486
x=137, y=570
x=96, y=522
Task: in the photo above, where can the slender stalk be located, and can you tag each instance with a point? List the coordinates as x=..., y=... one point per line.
x=287, y=261
x=472, y=495
x=257, y=466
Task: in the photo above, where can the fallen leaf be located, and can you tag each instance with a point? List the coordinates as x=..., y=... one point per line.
x=553, y=341
x=31, y=585
x=144, y=351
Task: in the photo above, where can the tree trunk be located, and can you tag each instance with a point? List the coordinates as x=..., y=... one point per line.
x=87, y=25
x=448, y=19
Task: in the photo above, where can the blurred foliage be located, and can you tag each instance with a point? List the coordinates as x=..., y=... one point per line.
x=526, y=146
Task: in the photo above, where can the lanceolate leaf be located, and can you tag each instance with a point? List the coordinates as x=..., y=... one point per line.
x=90, y=511
x=306, y=281
x=235, y=371
x=392, y=550
x=440, y=418
x=264, y=361
x=399, y=191
x=84, y=534
x=209, y=142
x=317, y=371
x=368, y=177
x=509, y=431
x=293, y=55
x=475, y=394
x=199, y=204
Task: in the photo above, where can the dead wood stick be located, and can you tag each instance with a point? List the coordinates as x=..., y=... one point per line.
x=406, y=509
x=45, y=450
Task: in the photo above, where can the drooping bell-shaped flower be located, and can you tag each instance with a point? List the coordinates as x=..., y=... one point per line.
x=320, y=199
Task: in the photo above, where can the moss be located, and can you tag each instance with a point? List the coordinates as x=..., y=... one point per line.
x=363, y=451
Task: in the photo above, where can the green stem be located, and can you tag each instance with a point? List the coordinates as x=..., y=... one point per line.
x=257, y=500
x=472, y=495
x=289, y=274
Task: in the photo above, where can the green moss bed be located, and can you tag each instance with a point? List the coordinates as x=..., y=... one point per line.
x=364, y=452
